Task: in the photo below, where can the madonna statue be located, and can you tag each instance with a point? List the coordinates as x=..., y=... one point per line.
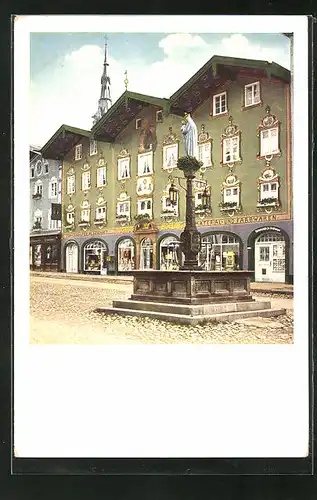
x=189, y=131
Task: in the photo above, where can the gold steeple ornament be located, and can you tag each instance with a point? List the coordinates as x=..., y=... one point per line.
x=126, y=81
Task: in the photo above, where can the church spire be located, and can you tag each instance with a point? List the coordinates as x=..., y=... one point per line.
x=104, y=102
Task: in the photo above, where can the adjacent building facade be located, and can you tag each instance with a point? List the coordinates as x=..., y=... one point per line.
x=45, y=232
x=116, y=210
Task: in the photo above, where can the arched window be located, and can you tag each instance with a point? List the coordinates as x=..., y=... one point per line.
x=146, y=257
x=95, y=256
x=219, y=252
x=169, y=254
x=126, y=255
x=270, y=257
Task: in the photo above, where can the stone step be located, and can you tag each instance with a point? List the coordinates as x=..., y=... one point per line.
x=192, y=320
x=190, y=309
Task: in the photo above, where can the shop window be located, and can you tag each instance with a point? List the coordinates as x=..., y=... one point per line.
x=101, y=176
x=146, y=254
x=95, y=256
x=92, y=148
x=145, y=207
x=169, y=254
x=126, y=257
x=252, y=94
x=37, y=255
x=85, y=181
x=219, y=252
x=71, y=184
x=220, y=104
x=78, y=151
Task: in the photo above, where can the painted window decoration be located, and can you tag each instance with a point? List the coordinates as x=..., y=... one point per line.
x=70, y=215
x=95, y=254
x=53, y=188
x=145, y=163
x=145, y=206
x=231, y=144
x=100, y=214
x=92, y=147
x=268, y=191
x=123, y=165
x=78, y=151
x=70, y=218
x=85, y=181
x=170, y=151
x=126, y=257
x=219, y=104
x=252, y=94
x=101, y=176
x=269, y=136
x=168, y=210
x=123, y=208
x=144, y=185
x=38, y=167
x=84, y=213
x=70, y=184
x=231, y=195
x=204, y=148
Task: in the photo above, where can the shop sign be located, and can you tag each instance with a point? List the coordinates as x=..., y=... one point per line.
x=267, y=228
x=237, y=220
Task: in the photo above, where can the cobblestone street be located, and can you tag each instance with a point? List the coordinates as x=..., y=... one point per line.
x=62, y=313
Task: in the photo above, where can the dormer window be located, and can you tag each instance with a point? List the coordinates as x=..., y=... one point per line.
x=159, y=116
x=92, y=147
x=78, y=151
x=220, y=104
x=138, y=123
x=252, y=94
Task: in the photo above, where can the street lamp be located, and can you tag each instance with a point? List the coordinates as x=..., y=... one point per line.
x=172, y=193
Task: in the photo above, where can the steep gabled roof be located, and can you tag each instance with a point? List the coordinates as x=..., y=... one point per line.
x=122, y=113
x=63, y=141
x=219, y=68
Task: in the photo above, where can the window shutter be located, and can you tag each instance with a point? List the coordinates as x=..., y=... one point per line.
x=274, y=140
x=265, y=143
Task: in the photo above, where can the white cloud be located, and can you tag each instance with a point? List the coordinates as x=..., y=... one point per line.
x=68, y=92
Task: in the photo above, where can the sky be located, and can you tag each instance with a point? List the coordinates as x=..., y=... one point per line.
x=65, y=69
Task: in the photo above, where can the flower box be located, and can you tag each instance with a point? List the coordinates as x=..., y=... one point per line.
x=268, y=202
x=37, y=196
x=83, y=223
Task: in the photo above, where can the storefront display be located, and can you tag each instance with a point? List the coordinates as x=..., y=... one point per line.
x=169, y=254
x=219, y=252
x=95, y=257
x=126, y=259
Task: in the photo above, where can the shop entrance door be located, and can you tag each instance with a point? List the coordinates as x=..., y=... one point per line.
x=72, y=258
x=270, y=258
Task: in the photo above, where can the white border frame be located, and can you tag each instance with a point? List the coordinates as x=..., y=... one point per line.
x=251, y=382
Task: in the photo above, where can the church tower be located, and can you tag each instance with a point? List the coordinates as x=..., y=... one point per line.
x=104, y=102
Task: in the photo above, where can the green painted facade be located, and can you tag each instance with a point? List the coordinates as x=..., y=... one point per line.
x=273, y=93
